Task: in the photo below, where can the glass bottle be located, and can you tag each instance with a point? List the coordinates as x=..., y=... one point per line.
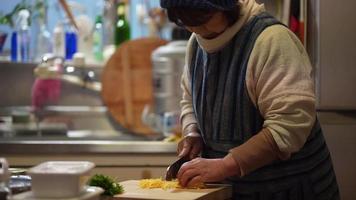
x=43, y=40
x=20, y=39
x=98, y=39
x=24, y=35
x=109, y=18
x=122, y=30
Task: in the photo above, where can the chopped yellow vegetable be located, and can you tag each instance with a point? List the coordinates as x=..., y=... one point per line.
x=173, y=138
x=165, y=185
x=158, y=183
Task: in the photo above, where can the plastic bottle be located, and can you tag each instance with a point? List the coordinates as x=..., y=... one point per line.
x=14, y=47
x=59, y=41
x=98, y=46
x=43, y=40
x=44, y=44
x=71, y=41
x=122, y=30
x=20, y=38
x=24, y=35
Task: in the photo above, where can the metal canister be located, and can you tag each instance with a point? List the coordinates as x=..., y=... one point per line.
x=168, y=63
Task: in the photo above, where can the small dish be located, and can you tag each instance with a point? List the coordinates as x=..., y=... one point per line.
x=59, y=179
x=89, y=193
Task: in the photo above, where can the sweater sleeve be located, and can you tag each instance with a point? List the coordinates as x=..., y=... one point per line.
x=258, y=151
x=187, y=113
x=279, y=81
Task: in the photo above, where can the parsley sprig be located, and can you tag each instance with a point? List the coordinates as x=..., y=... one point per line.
x=110, y=186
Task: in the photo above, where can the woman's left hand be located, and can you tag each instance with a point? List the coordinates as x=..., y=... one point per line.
x=200, y=170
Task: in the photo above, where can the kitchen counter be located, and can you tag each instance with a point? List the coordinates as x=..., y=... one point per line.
x=84, y=146
x=124, y=160
x=137, y=159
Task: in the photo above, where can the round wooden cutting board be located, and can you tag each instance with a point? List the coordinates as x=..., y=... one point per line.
x=127, y=83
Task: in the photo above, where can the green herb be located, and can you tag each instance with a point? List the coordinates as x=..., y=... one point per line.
x=110, y=186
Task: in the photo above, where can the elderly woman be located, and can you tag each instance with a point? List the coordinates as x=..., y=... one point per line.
x=248, y=104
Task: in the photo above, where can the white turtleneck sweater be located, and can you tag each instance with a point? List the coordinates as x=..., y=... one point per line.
x=278, y=78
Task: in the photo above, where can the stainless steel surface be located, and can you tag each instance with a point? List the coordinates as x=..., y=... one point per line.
x=168, y=63
x=78, y=108
x=65, y=110
x=73, y=117
x=85, y=146
x=21, y=78
x=334, y=53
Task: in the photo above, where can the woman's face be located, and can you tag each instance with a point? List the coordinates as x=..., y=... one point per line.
x=216, y=25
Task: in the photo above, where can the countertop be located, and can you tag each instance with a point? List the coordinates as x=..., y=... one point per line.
x=86, y=146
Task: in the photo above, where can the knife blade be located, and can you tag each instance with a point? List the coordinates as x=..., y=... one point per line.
x=172, y=170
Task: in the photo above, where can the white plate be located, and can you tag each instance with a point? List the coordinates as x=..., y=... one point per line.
x=89, y=193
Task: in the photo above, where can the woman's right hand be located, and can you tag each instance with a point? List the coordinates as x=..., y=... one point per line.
x=192, y=143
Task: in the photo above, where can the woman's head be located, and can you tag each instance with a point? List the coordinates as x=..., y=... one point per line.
x=207, y=18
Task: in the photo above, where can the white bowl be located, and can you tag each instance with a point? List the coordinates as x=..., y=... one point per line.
x=59, y=179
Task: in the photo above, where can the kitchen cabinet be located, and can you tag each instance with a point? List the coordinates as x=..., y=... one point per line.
x=332, y=42
x=340, y=135
x=332, y=50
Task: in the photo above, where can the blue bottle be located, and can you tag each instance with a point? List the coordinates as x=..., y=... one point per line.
x=14, y=45
x=71, y=42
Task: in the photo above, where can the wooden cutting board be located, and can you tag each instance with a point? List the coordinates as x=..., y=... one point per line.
x=127, y=83
x=213, y=192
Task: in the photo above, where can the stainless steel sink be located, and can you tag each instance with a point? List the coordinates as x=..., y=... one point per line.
x=78, y=115
x=33, y=129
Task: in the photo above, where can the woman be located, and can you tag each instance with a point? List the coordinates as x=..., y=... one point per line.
x=248, y=104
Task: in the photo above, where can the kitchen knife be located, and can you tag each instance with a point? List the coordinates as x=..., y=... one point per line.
x=173, y=169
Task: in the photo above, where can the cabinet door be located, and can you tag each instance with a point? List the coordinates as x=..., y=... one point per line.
x=336, y=69
x=341, y=141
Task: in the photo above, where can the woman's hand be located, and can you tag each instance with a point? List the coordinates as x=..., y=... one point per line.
x=192, y=143
x=202, y=170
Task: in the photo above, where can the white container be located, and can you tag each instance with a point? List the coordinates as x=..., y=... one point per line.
x=59, y=179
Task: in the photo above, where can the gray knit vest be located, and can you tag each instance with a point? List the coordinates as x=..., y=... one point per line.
x=227, y=118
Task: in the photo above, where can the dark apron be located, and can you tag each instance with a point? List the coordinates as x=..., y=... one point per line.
x=227, y=118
